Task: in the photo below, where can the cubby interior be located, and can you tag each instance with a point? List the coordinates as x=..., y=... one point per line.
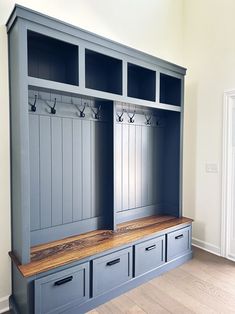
x=147, y=163
x=141, y=82
x=52, y=59
x=70, y=165
x=102, y=72
x=170, y=90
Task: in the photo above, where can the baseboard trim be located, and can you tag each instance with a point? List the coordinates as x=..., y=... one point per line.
x=4, y=304
x=211, y=248
x=231, y=257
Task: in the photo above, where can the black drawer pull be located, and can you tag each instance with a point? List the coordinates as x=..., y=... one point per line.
x=179, y=236
x=115, y=261
x=152, y=247
x=63, y=281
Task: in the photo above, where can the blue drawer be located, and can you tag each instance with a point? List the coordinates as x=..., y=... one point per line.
x=57, y=292
x=178, y=243
x=149, y=255
x=111, y=271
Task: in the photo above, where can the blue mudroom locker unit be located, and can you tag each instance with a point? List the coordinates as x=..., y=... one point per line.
x=96, y=166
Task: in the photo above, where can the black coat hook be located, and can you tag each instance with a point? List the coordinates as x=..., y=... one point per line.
x=131, y=117
x=53, y=110
x=33, y=107
x=96, y=112
x=81, y=111
x=148, y=119
x=120, y=118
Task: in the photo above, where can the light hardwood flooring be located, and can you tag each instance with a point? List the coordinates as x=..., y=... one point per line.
x=206, y=284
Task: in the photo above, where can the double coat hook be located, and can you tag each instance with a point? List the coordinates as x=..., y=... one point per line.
x=120, y=118
x=96, y=112
x=131, y=117
x=148, y=119
x=82, y=111
x=53, y=110
x=33, y=107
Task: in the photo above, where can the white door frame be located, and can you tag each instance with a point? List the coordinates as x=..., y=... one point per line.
x=227, y=179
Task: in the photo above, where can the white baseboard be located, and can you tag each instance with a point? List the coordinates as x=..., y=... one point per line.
x=211, y=248
x=4, y=304
x=231, y=257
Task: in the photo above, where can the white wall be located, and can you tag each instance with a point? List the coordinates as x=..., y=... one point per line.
x=154, y=26
x=209, y=48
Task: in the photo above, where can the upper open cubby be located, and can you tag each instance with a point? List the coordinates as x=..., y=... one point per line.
x=103, y=73
x=141, y=82
x=170, y=90
x=52, y=59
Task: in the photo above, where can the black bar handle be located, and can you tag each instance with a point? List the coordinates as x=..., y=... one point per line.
x=63, y=281
x=179, y=236
x=115, y=261
x=152, y=247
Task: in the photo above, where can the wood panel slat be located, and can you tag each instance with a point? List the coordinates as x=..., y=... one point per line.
x=58, y=253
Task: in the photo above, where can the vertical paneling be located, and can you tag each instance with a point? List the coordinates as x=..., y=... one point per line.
x=138, y=166
x=69, y=169
x=118, y=167
x=132, y=166
x=125, y=166
x=34, y=172
x=150, y=165
x=57, y=176
x=86, y=169
x=144, y=168
x=160, y=163
x=99, y=167
x=67, y=135
x=154, y=166
x=45, y=171
x=96, y=170
x=77, y=170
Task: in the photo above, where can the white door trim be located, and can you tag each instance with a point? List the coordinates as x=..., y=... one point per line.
x=227, y=179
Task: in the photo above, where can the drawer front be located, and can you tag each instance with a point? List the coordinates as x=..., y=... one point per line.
x=178, y=243
x=111, y=271
x=57, y=292
x=149, y=255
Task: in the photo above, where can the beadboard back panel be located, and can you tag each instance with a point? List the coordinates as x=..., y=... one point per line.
x=146, y=162
x=69, y=159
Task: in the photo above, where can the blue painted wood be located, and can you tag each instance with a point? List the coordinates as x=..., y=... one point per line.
x=144, y=167
x=67, y=170
x=59, y=232
x=125, y=166
x=149, y=255
x=73, y=166
x=132, y=166
x=45, y=171
x=58, y=292
x=86, y=170
x=96, y=301
x=111, y=271
x=20, y=176
x=47, y=21
x=57, y=175
x=178, y=243
x=77, y=170
x=118, y=167
x=138, y=169
x=34, y=172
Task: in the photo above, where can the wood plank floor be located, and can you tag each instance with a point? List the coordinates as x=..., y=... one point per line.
x=206, y=284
